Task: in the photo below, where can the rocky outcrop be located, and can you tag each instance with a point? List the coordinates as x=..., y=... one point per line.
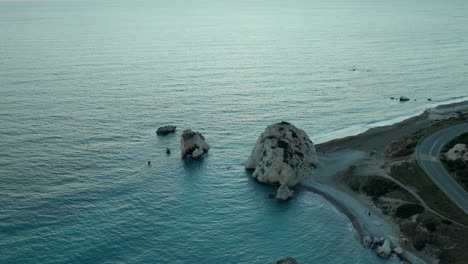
x=287, y=260
x=197, y=153
x=385, y=250
x=377, y=242
x=283, y=192
x=193, y=143
x=283, y=154
x=367, y=241
x=458, y=152
x=398, y=250
x=166, y=130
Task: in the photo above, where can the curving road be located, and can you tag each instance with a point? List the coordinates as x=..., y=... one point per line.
x=427, y=155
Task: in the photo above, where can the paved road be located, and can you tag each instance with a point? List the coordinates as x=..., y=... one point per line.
x=427, y=154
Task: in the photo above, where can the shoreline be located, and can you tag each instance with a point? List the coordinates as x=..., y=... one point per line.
x=373, y=142
x=364, y=127
x=342, y=208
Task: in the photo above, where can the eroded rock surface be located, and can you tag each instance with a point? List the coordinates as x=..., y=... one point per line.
x=166, y=130
x=283, y=154
x=193, y=143
x=385, y=250
x=458, y=152
x=283, y=192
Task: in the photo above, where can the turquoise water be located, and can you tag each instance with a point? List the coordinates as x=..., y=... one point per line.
x=84, y=85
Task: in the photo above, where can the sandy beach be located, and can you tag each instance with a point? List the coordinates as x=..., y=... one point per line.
x=368, y=151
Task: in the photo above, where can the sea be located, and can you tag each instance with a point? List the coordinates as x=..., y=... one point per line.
x=85, y=84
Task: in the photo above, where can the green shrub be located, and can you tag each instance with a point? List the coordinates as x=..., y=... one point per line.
x=420, y=242
x=431, y=224
x=407, y=210
x=445, y=257
x=379, y=186
x=354, y=183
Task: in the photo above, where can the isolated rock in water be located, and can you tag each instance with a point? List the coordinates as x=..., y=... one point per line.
x=404, y=98
x=283, y=154
x=458, y=152
x=197, y=153
x=384, y=250
x=287, y=260
x=283, y=192
x=398, y=250
x=367, y=241
x=191, y=141
x=166, y=130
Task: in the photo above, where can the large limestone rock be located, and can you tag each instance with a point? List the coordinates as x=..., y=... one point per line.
x=283, y=154
x=284, y=192
x=287, y=260
x=166, y=130
x=458, y=152
x=193, y=143
x=385, y=250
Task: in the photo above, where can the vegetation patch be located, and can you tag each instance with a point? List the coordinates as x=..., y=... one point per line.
x=378, y=186
x=410, y=142
x=407, y=210
x=410, y=174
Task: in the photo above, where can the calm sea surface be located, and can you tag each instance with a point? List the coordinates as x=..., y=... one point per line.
x=84, y=85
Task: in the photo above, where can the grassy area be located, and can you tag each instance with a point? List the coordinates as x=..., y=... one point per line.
x=411, y=141
x=446, y=240
x=412, y=175
x=376, y=186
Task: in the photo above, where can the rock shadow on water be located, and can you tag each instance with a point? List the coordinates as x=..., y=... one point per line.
x=194, y=165
x=267, y=193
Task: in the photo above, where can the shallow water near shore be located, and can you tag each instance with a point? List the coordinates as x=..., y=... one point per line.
x=85, y=84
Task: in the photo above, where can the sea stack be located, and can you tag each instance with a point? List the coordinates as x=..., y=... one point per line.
x=283, y=155
x=193, y=143
x=164, y=130
x=283, y=192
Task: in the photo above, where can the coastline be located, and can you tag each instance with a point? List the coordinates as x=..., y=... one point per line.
x=364, y=127
x=373, y=142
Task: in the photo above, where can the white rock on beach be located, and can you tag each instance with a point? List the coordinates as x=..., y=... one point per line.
x=458, y=152
x=398, y=250
x=367, y=241
x=283, y=192
x=193, y=143
x=385, y=250
x=376, y=242
x=283, y=154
